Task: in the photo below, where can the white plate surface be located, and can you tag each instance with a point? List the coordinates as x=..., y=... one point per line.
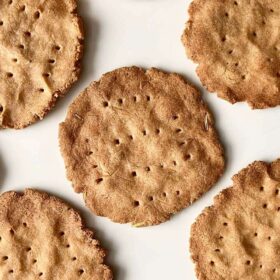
x=145, y=33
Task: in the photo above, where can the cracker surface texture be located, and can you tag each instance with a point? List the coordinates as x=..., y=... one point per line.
x=140, y=145
x=237, y=47
x=40, y=52
x=238, y=237
x=41, y=237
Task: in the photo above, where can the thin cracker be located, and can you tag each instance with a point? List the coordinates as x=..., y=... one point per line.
x=238, y=237
x=41, y=46
x=41, y=237
x=140, y=145
x=237, y=47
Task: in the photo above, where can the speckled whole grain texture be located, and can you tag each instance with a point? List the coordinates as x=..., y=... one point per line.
x=237, y=47
x=238, y=237
x=140, y=145
x=40, y=52
x=41, y=237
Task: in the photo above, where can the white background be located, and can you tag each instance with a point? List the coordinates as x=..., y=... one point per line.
x=144, y=33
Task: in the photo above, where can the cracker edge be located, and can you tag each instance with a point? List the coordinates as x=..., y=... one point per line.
x=186, y=41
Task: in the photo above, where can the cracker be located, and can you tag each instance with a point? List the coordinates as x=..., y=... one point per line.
x=40, y=50
x=238, y=237
x=41, y=237
x=237, y=47
x=140, y=145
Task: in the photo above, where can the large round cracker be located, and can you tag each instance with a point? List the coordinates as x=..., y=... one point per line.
x=238, y=237
x=41, y=237
x=237, y=47
x=40, y=52
x=140, y=145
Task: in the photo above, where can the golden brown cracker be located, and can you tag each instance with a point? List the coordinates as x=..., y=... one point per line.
x=238, y=237
x=40, y=50
x=140, y=145
x=237, y=47
x=41, y=237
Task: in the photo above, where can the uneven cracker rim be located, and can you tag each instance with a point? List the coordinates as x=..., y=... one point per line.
x=77, y=21
x=218, y=200
x=186, y=33
x=79, y=220
x=185, y=39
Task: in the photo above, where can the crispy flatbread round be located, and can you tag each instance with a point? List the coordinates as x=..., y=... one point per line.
x=41, y=237
x=40, y=52
x=238, y=237
x=237, y=47
x=140, y=145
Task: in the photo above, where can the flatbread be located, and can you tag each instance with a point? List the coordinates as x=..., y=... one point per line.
x=140, y=145
x=41, y=237
x=237, y=47
x=40, y=50
x=238, y=237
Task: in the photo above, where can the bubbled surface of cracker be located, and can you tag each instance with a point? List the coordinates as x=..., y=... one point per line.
x=238, y=237
x=140, y=145
x=237, y=47
x=40, y=51
x=41, y=237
